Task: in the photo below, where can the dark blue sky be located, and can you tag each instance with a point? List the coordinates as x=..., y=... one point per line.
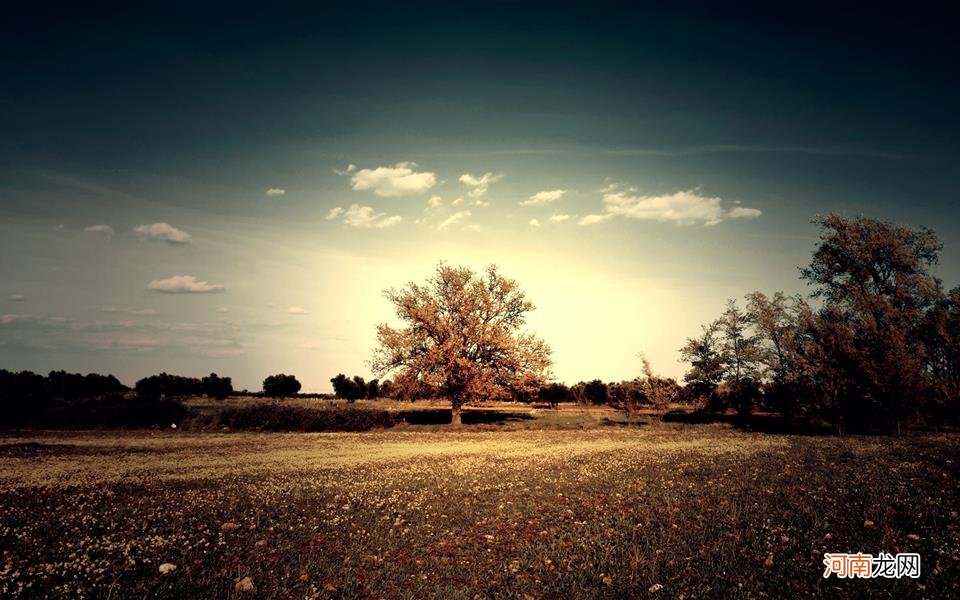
x=690, y=147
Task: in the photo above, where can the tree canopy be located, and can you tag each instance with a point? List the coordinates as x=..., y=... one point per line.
x=462, y=335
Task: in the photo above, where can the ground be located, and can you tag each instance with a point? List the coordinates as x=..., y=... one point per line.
x=603, y=511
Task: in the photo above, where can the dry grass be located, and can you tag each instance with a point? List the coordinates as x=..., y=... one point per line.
x=605, y=512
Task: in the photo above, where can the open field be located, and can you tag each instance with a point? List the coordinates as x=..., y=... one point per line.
x=685, y=511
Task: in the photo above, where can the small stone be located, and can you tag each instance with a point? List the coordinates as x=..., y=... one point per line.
x=828, y=537
x=868, y=524
x=261, y=543
x=167, y=568
x=245, y=585
x=655, y=588
x=229, y=526
x=913, y=537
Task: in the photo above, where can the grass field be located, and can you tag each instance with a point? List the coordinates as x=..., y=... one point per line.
x=663, y=509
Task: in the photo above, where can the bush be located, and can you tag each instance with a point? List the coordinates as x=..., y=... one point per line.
x=281, y=417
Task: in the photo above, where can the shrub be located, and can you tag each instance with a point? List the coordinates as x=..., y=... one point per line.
x=281, y=417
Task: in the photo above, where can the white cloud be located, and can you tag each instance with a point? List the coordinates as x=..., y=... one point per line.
x=559, y=218
x=742, y=212
x=534, y=223
x=334, y=213
x=223, y=309
x=399, y=180
x=350, y=169
x=684, y=207
x=162, y=232
x=479, y=184
x=435, y=202
x=310, y=345
x=275, y=192
x=104, y=230
x=297, y=310
x=544, y=197
x=592, y=219
x=17, y=298
x=364, y=217
x=454, y=219
x=184, y=284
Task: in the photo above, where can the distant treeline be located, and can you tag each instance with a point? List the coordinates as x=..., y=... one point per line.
x=876, y=345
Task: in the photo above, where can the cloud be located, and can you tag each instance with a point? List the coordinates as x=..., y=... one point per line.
x=399, y=180
x=534, y=223
x=310, y=345
x=297, y=310
x=593, y=219
x=184, y=284
x=162, y=232
x=275, y=192
x=742, y=212
x=139, y=312
x=435, y=202
x=559, y=218
x=17, y=297
x=104, y=230
x=479, y=184
x=350, y=169
x=223, y=309
x=544, y=197
x=455, y=218
x=684, y=207
x=364, y=217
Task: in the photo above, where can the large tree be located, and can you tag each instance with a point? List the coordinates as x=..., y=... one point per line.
x=875, y=279
x=462, y=336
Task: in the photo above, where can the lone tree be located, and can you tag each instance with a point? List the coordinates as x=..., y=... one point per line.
x=280, y=386
x=462, y=337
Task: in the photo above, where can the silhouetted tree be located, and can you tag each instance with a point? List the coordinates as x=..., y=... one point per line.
x=462, y=337
x=706, y=367
x=281, y=386
x=554, y=393
x=373, y=389
x=166, y=386
x=216, y=387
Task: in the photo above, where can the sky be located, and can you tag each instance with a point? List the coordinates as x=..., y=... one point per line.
x=198, y=189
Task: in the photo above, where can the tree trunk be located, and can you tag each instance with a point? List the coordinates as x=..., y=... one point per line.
x=455, y=416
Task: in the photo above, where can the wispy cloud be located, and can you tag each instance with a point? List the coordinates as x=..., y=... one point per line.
x=104, y=230
x=560, y=218
x=273, y=192
x=138, y=312
x=364, y=217
x=297, y=310
x=401, y=179
x=17, y=297
x=184, y=284
x=162, y=232
x=684, y=207
x=543, y=198
x=454, y=219
x=479, y=185
x=534, y=223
